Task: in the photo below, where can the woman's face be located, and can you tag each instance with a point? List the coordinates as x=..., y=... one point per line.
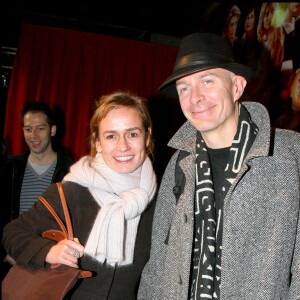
x=268, y=16
x=250, y=22
x=122, y=140
x=232, y=27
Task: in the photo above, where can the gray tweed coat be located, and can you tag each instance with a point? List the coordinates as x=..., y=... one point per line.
x=261, y=233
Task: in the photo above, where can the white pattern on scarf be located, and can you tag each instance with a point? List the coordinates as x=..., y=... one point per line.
x=122, y=198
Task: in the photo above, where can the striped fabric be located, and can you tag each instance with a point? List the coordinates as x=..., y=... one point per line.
x=34, y=184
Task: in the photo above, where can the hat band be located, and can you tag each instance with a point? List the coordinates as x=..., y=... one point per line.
x=202, y=59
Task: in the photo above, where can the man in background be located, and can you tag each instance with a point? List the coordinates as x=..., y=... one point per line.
x=26, y=176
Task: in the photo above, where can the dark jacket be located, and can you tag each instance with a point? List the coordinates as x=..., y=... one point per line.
x=12, y=175
x=109, y=283
x=13, y=172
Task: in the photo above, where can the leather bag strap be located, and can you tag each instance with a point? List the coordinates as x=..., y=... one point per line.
x=66, y=210
x=57, y=235
x=67, y=232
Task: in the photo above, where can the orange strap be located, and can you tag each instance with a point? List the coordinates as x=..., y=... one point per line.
x=68, y=233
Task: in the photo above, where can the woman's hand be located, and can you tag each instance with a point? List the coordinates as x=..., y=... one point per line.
x=65, y=252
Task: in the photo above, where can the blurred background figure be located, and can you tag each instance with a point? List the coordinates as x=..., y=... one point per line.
x=247, y=49
x=290, y=26
x=295, y=91
x=292, y=14
x=229, y=31
x=291, y=118
x=269, y=34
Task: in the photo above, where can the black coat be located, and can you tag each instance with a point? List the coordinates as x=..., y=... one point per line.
x=12, y=174
x=22, y=241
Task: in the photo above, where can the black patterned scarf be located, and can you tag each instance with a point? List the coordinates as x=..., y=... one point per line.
x=206, y=264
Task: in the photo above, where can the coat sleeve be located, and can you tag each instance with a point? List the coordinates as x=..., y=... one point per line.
x=294, y=290
x=22, y=238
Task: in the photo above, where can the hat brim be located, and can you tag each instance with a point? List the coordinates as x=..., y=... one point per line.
x=168, y=87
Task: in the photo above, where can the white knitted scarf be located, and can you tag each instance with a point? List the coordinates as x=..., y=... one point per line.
x=122, y=198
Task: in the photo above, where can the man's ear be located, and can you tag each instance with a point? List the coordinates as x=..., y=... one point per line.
x=53, y=130
x=239, y=86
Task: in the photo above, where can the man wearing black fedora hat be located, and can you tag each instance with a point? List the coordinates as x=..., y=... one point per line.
x=230, y=228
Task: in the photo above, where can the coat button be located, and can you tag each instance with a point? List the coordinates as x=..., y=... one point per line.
x=176, y=190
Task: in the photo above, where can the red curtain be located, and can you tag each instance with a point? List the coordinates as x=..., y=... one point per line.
x=71, y=69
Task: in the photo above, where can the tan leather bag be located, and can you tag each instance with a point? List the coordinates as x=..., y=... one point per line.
x=53, y=283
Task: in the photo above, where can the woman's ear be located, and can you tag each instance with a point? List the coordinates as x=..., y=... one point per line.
x=98, y=146
x=148, y=137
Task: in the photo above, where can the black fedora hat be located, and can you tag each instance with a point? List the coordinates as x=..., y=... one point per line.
x=202, y=51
